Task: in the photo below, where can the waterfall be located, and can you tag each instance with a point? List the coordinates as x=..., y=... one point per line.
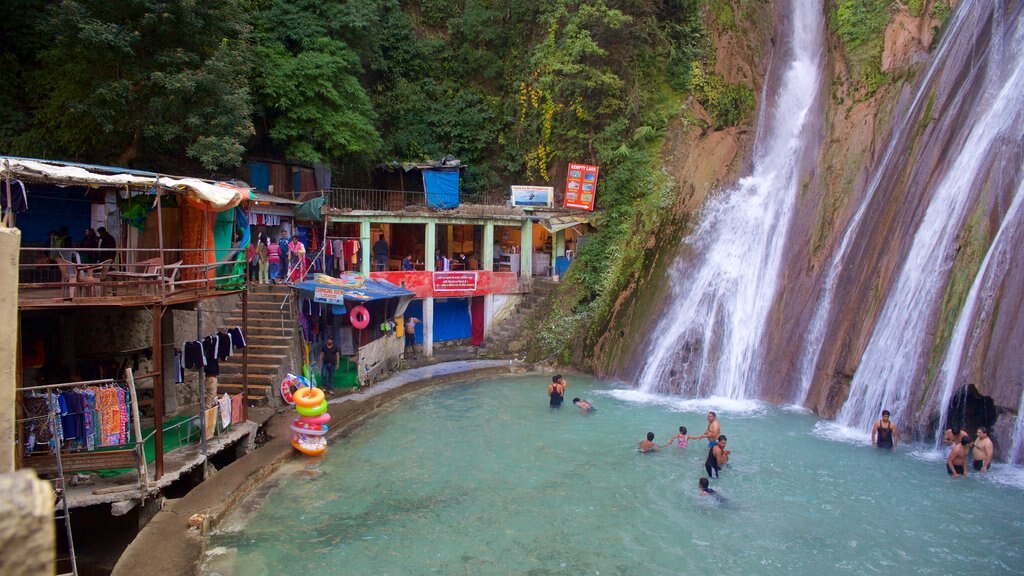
x=891, y=363
x=891, y=158
x=713, y=329
x=982, y=290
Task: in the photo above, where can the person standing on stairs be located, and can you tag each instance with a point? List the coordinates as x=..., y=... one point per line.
x=273, y=260
x=263, y=259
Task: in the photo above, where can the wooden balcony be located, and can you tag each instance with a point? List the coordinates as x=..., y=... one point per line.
x=56, y=278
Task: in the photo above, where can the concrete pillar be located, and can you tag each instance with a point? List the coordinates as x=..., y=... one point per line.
x=429, y=243
x=526, y=257
x=488, y=251
x=428, y=327
x=450, y=236
x=488, y=314
x=364, y=246
x=10, y=242
x=28, y=544
x=559, y=244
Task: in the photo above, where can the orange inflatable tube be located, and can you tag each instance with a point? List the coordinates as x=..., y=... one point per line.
x=308, y=397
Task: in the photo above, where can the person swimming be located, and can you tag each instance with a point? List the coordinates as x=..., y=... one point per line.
x=584, y=405
x=706, y=490
x=648, y=445
x=682, y=439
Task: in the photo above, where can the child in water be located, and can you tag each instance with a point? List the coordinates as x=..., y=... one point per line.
x=682, y=438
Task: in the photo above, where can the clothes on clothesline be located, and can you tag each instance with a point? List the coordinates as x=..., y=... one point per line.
x=211, y=351
x=194, y=357
x=225, y=410
x=19, y=198
x=85, y=418
x=237, y=338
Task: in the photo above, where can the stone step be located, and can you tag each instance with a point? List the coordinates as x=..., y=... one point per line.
x=257, y=331
x=280, y=320
x=258, y=379
x=255, y=391
x=269, y=349
x=236, y=367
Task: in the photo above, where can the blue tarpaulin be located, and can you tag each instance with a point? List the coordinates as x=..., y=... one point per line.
x=372, y=290
x=451, y=319
x=442, y=188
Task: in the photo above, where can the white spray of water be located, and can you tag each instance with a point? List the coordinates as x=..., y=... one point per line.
x=722, y=300
x=970, y=323
x=892, y=359
x=893, y=153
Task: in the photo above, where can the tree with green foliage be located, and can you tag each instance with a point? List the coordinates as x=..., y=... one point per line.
x=120, y=81
x=307, y=80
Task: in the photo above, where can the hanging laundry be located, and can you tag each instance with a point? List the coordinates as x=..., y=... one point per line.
x=194, y=356
x=237, y=338
x=225, y=410
x=236, y=408
x=210, y=421
x=223, y=346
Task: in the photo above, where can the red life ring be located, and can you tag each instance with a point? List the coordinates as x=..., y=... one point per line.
x=360, y=317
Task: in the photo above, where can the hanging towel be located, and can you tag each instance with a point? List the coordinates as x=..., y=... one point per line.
x=236, y=409
x=210, y=421
x=237, y=338
x=225, y=410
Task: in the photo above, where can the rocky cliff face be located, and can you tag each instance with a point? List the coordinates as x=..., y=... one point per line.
x=886, y=152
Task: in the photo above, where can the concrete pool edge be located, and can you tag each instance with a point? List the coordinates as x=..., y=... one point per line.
x=167, y=547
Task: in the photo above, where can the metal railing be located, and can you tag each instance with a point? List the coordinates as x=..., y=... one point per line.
x=89, y=275
x=398, y=200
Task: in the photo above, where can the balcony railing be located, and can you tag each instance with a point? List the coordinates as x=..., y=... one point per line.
x=92, y=276
x=398, y=200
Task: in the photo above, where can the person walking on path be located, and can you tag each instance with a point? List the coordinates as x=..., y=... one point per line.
x=329, y=358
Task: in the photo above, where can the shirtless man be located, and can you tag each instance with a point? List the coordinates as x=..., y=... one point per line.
x=712, y=432
x=953, y=435
x=956, y=464
x=883, y=433
x=648, y=445
x=983, y=450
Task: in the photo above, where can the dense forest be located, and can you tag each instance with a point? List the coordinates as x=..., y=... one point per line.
x=513, y=89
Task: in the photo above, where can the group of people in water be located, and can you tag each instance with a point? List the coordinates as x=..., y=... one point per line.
x=718, y=454
x=981, y=450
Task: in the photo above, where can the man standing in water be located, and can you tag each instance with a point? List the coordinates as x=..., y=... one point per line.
x=956, y=464
x=717, y=457
x=556, y=391
x=883, y=434
x=712, y=432
x=983, y=450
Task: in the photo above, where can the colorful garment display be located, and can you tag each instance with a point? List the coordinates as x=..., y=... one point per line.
x=84, y=418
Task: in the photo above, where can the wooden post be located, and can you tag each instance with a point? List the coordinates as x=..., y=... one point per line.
x=160, y=244
x=158, y=392
x=137, y=425
x=245, y=355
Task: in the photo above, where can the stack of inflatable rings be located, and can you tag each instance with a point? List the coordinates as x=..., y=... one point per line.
x=311, y=425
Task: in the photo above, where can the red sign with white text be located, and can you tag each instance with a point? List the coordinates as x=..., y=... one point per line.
x=454, y=281
x=581, y=187
x=423, y=283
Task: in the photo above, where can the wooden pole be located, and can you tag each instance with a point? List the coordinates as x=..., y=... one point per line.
x=160, y=234
x=137, y=425
x=245, y=355
x=158, y=392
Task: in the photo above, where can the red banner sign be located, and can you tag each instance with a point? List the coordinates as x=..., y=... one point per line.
x=581, y=186
x=454, y=281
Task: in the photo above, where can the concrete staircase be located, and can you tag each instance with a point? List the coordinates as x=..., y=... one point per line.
x=270, y=340
x=507, y=339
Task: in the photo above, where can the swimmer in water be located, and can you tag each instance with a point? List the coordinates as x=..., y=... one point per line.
x=682, y=439
x=956, y=463
x=648, y=445
x=884, y=434
x=706, y=490
x=584, y=406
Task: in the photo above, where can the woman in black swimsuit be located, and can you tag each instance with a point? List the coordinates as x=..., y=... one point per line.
x=556, y=390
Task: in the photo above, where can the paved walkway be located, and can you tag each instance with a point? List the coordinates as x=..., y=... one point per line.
x=428, y=372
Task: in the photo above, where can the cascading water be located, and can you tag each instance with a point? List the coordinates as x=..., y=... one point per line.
x=891, y=158
x=713, y=331
x=971, y=321
x=892, y=361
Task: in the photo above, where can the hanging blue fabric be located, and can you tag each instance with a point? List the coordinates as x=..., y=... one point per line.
x=442, y=188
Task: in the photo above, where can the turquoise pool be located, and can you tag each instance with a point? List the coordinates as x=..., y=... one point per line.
x=483, y=478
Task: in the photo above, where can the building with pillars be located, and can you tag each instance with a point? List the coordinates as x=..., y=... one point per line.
x=468, y=263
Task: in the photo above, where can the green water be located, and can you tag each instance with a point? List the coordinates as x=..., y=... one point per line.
x=483, y=478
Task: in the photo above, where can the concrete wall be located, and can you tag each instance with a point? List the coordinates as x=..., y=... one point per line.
x=379, y=358
x=27, y=544
x=10, y=241
x=504, y=306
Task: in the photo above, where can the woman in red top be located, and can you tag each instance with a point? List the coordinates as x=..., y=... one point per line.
x=274, y=259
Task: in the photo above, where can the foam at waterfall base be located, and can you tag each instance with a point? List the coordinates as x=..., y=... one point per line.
x=718, y=404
